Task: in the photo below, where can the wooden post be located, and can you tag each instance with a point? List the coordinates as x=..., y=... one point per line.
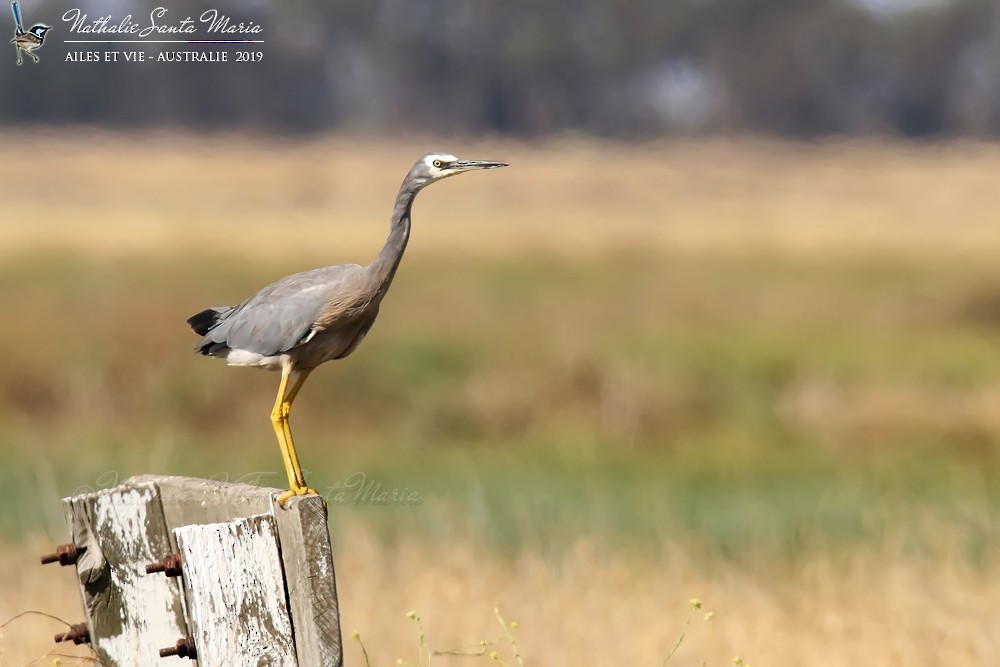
x=256, y=584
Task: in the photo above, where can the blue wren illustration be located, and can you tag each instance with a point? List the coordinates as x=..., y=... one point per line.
x=29, y=41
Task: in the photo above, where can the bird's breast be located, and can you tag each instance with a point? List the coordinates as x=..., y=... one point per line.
x=331, y=343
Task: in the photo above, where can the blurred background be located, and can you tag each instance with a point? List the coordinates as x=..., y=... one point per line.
x=726, y=329
x=787, y=68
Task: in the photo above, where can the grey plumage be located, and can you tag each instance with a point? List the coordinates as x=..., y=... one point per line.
x=284, y=314
x=308, y=318
x=322, y=314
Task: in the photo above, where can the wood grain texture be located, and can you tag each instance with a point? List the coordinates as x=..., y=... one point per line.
x=309, y=575
x=235, y=590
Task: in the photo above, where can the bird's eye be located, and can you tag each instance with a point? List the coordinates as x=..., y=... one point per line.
x=438, y=164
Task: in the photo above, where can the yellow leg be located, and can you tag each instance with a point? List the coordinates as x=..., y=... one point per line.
x=296, y=379
x=288, y=389
x=277, y=421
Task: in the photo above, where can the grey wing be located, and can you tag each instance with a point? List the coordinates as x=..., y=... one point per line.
x=280, y=316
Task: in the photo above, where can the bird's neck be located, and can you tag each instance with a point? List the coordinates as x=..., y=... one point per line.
x=384, y=267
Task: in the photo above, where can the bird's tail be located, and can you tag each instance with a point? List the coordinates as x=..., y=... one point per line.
x=206, y=320
x=17, y=17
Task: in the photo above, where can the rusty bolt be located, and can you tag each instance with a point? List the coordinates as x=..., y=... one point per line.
x=66, y=554
x=170, y=566
x=184, y=648
x=78, y=634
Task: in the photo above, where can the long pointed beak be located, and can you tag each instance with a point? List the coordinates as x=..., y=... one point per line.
x=476, y=164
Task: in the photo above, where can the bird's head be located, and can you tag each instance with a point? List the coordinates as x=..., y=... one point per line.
x=435, y=166
x=40, y=30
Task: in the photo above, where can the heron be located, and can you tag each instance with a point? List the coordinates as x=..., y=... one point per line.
x=309, y=318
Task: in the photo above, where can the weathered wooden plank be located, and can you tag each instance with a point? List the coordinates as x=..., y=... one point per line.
x=235, y=591
x=307, y=557
x=130, y=614
x=309, y=575
x=189, y=500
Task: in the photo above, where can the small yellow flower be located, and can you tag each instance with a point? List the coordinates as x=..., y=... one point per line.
x=709, y=615
x=412, y=615
x=494, y=655
x=355, y=635
x=514, y=625
x=695, y=603
x=483, y=643
x=56, y=661
x=737, y=660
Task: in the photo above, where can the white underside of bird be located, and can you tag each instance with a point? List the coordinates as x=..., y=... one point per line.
x=256, y=360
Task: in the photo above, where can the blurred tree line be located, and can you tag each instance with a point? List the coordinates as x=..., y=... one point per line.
x=614, y=67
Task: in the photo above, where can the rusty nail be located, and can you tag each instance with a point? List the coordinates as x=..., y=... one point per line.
x=184, y=648
x=170, y=566
x=66, y=554
x=78, y=634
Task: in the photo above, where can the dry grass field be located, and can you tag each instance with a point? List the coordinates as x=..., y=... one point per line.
x=617, y=376
x=316, y=199
x=598, y=606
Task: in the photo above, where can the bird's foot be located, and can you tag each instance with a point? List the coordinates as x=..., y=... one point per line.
x=296, y=491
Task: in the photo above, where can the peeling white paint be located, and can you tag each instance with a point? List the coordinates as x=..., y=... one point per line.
x=236, y=593
x=252, y=574
x=148, y=617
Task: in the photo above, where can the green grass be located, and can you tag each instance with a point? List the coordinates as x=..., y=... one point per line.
x=753, y=406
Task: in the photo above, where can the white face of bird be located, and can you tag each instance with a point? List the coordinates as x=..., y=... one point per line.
x=438, y=165
x=442, y=165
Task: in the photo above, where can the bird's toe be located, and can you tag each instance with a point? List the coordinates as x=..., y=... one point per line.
x=296, y=491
